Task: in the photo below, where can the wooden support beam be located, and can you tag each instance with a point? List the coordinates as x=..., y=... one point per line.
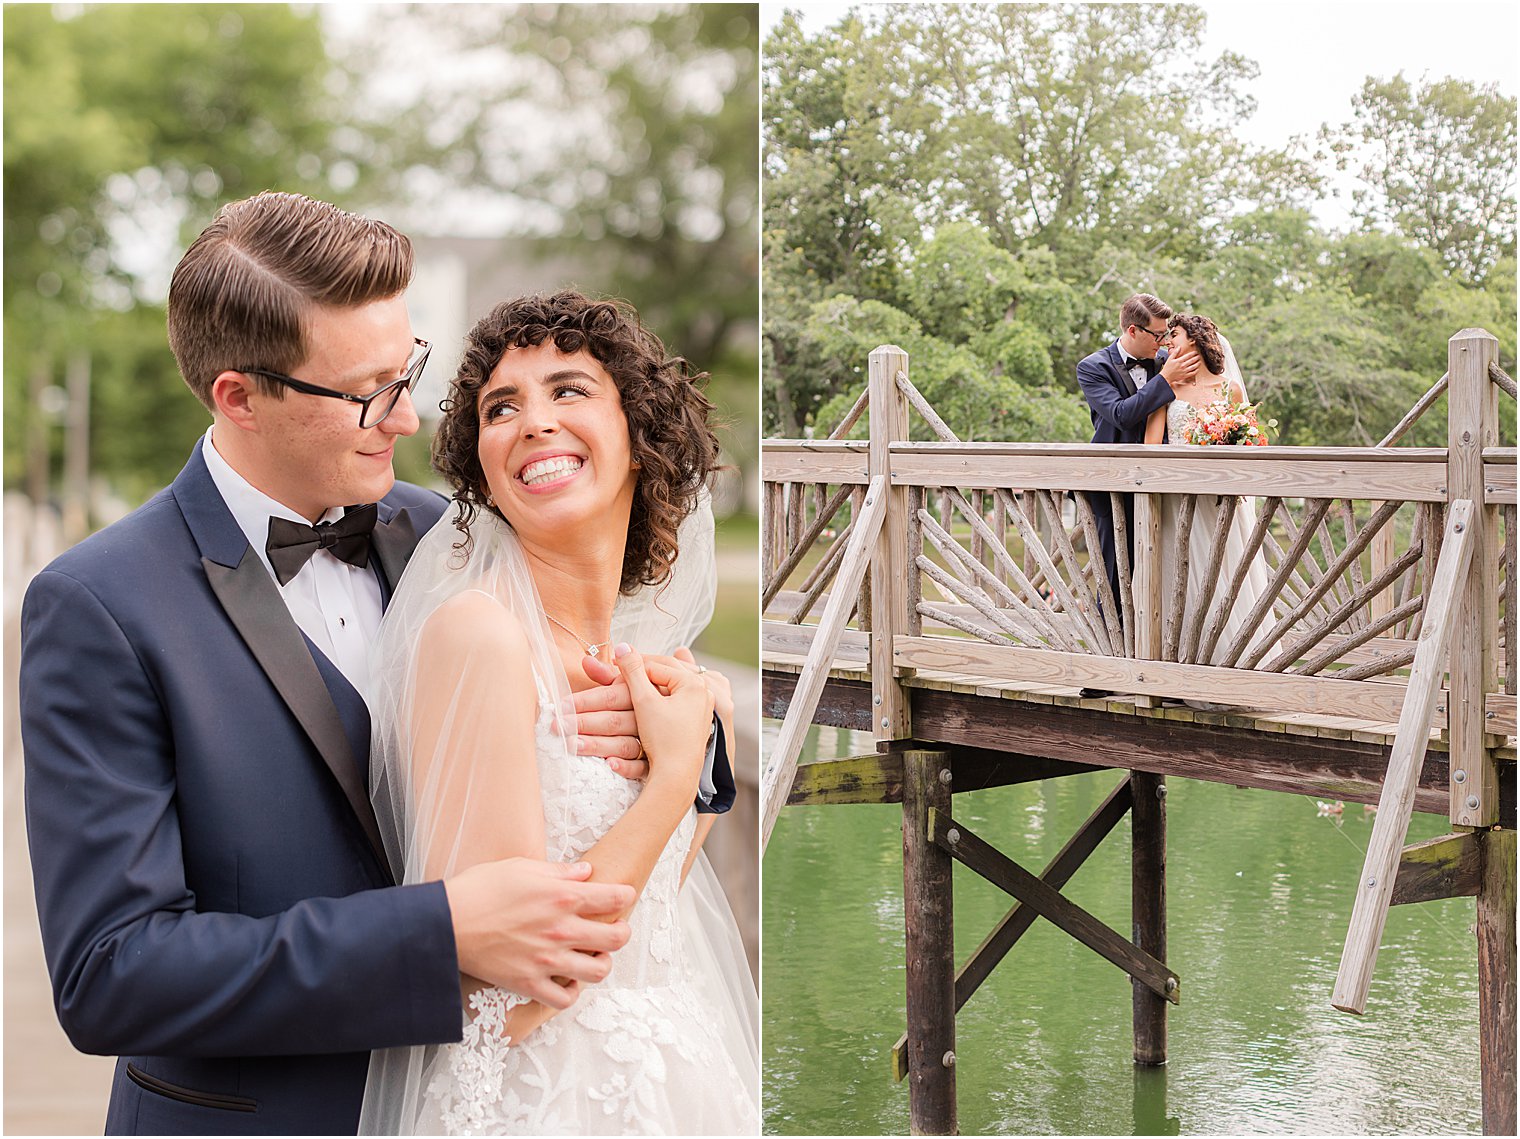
x=1370, y=911
x=977, y=769
x=1325, y=696
x=1473, y=424
x=1445, y=867
x=889, y=558
x=776, y=781
x=1051, y=905
x=873, y=778
x=816, y=460
x=1496, y=981
x=1412, y=474
x=1015, y=922
x=1202, y=746
x=1148, y=909
x=928, y=918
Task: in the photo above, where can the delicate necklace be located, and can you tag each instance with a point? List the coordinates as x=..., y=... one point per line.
x=593, y=648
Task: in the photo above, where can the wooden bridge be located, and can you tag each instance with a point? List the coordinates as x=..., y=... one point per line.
x=941, y=595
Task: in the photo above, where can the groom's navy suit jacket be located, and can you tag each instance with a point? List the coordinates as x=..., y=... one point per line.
x=1119, y=411
x=215, y=905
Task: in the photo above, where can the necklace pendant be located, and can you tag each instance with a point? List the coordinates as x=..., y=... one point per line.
x=594, y=650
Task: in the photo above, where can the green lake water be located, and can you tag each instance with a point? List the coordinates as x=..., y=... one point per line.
x=1259, y=891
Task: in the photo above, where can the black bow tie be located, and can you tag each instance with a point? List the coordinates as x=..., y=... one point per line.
x=1148, y=365
x=291, y=544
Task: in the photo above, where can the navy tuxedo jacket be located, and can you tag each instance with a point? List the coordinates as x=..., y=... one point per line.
x=1119, y=410
x=215, y=905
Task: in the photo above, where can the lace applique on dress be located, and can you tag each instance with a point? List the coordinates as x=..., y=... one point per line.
x=469, y=1088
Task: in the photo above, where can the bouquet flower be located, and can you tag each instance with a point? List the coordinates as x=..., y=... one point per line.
x=1226, y=424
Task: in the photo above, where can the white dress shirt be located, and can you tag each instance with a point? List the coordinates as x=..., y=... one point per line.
x=335, y=604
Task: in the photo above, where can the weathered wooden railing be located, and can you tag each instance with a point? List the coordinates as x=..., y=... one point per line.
x=1322, y=581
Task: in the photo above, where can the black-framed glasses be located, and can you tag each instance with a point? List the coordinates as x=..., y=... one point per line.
x=1157, y=336
x=379, y=403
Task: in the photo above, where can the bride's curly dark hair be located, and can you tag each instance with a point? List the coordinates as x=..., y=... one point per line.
x=668, y=415
x=1205, y=337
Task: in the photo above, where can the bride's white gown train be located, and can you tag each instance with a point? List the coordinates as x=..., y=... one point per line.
x=1200, y=541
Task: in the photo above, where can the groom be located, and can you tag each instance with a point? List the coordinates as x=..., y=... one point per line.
x=1124, y=383
x=216, y=906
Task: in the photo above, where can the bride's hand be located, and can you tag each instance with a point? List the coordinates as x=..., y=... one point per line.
x=674, y=710
x=722, y=690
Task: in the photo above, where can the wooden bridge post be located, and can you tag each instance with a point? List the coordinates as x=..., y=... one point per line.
x=889, y=561
x=1473, y=424
x=1496, y=981
x=1148, y=908
x=928, y=920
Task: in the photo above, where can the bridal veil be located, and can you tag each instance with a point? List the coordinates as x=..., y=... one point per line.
x=428, y=776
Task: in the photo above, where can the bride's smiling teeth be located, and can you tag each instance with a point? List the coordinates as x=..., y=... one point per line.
x=547, y=470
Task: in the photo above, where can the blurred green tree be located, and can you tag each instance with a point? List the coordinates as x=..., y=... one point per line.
x=125, y=127
x=624, y=135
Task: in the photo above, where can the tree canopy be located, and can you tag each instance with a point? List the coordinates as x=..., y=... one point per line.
x=984, y=184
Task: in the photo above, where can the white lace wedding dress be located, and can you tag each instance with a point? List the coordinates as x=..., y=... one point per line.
x=641, y=1053
x=1200, y=541
x=667, y=1043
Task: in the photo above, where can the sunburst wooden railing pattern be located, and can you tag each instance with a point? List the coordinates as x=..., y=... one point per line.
x=993, y=566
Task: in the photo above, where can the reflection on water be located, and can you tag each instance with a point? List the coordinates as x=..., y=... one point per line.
x=1259, y=893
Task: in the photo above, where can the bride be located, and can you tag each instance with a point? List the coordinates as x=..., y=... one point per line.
x=1217, y=380
x=578, y=453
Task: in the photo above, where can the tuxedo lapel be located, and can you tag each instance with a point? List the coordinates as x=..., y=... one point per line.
x=394, y=540
x=1116, y=358
x=253, y=604
x=258, y=612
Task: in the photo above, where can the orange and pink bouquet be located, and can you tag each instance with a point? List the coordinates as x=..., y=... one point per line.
x=1226, y=424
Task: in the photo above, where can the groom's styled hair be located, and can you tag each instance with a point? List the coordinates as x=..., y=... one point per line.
x=1140, y=309
x=241, y=295
x=668, y=416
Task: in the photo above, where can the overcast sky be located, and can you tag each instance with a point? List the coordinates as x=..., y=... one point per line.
x=1315, y=56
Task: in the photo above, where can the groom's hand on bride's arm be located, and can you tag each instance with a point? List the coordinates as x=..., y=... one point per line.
x=604, y=721
x=536, y=928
